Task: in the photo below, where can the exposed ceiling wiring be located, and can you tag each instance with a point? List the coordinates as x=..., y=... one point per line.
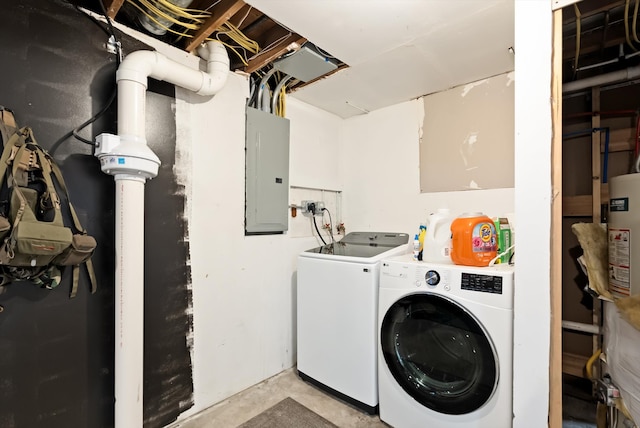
x=635, y=18
x=578, y=34
x=244, y=17
x=626, y=25
x=271, y=45
x=156, y=21
x=215, y=3
x=167, y=16
x=252, y=38
x=242, y=42
x=171, y=14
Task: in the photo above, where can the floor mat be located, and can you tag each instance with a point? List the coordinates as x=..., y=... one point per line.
x=288, y=413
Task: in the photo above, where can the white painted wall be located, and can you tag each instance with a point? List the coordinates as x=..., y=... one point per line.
x=243, y=286
x=380, y=164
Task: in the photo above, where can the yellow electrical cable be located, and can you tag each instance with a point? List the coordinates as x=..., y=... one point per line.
x=132, y=2
x=237, y=36
x=159, y=13
x=635, y=17
x=170, y=12
x=183, y=11
x=578, y=35
x=626, y=24
x=242, y=56
x=278, y=111
x=590, y=361
x=272, y=45
x=283, y=99
x=242, y=41
x=232, y=48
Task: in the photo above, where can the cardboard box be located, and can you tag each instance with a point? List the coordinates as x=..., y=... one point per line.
x=503, y=230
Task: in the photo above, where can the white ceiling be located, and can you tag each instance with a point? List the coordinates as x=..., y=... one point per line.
x=398, y=50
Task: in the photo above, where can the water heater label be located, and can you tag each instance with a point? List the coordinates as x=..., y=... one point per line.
x=619, y=260
x=619, y=204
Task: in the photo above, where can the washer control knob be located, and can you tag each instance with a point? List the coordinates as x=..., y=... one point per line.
x=432, y=277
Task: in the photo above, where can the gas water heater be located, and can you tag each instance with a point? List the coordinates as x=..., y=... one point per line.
x=624, y=235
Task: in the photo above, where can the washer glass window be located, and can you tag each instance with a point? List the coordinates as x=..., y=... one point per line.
x=439, y=354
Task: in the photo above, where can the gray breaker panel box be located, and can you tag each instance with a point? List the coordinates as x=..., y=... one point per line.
x=267, y=173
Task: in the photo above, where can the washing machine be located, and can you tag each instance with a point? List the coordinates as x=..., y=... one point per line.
x=337, y=304
x=445, y=345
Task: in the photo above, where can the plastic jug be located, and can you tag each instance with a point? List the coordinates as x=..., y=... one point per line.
x=437, y=241
x=474, y=241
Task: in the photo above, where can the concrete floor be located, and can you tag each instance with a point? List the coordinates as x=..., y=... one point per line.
x=578, y=412
x=247, y=404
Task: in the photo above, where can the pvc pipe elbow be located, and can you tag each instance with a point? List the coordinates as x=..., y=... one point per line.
x=217, y=59
x=137, y=67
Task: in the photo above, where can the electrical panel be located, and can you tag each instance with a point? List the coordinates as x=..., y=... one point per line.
x=267, y=173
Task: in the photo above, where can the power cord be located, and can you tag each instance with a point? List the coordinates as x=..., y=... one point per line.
x=330, y=224
x=115, y=43
x=317, y=230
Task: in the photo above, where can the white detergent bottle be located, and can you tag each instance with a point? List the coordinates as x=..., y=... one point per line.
x=437, y=241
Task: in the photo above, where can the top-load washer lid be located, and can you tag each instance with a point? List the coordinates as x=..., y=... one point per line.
x=363, y=244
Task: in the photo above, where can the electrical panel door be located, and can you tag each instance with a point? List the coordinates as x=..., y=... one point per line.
x=267, y=173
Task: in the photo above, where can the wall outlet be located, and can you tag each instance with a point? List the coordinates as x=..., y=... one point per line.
x=312, y=207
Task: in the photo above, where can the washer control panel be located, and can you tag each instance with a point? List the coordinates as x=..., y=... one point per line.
x=433, y=278
x=483, y=283
x=467, y=281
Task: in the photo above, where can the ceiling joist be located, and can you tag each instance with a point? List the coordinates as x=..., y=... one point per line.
x=276, y=51
x=221, y=14
x=273, y=39
x=113, y=7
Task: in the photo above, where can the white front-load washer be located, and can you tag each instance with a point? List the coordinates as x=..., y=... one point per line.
x=445, y=345
x=337, y=309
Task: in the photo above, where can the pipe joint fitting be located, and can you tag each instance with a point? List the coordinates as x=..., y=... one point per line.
x=137, y=66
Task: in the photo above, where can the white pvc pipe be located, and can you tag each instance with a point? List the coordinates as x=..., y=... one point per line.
x=140, y=65
x=602, y=79
x=132, y=77
x=579, y=326
x=129, y=302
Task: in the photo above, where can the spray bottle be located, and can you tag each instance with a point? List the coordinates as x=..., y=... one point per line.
x=421, y=235
x=416, y=247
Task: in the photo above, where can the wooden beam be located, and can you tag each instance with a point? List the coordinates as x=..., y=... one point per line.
x=303, y=84
x=222, y=12
x=555, y=345
x=276, y=51
x=582, y=205
x=113, y=7
x=619, y=146
x=596, y=174
x=577, y=206
x=596, y=168
x=574, y=364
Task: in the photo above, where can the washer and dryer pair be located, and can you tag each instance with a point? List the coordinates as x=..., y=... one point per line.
x=428, y=345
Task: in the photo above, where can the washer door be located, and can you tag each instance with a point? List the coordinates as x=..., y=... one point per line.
x=439, y=353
